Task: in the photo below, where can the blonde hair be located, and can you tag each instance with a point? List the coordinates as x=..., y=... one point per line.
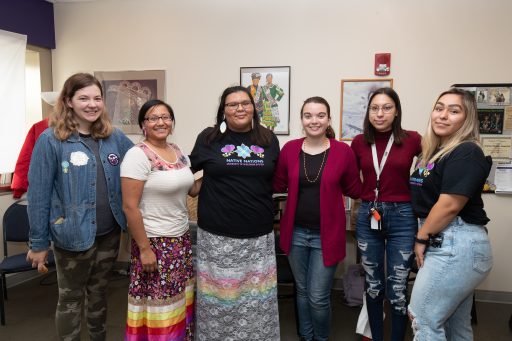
x=63, y=119
x=469, y=131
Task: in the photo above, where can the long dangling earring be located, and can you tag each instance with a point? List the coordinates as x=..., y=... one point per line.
x=144, y=131
x=223, y=127
x=252, y=123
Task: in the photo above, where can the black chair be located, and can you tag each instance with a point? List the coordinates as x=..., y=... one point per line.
x=284, y=271
x=285, y=276
x=15, y=229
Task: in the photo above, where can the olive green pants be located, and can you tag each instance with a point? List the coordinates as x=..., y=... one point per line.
x=85, y=275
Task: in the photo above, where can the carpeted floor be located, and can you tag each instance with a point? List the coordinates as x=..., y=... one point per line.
x=31, y=305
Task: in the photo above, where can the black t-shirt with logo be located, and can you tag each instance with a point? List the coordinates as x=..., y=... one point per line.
x=463, y=172
x=236, y=194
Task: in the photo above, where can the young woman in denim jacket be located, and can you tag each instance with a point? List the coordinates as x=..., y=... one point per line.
x=74, y=200
x=452, y=248
x=385, y=154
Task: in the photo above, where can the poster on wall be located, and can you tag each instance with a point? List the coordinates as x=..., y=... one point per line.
x=499, y=148
x=270, y=89
x=494, y=106
x=354, y=101
x=491, y=121
x=494, y=110
x=126, y=91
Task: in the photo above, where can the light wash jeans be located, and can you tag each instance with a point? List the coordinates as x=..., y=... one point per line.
x=314, y=282
x=387, y=256
x=443, y=290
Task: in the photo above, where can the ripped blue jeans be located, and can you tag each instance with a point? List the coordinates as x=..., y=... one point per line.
x=442, y=295
x=386, y=256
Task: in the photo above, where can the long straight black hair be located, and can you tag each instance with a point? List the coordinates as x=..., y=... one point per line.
x=396, y=126
x=259, y=134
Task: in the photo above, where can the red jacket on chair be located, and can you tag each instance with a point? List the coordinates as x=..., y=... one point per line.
x=20, y=177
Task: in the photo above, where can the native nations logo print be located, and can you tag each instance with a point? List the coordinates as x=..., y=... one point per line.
x=423, y=172
x=239, y=155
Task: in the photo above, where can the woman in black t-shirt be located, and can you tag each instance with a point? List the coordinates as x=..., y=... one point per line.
x=236, y=264
x=452, y=248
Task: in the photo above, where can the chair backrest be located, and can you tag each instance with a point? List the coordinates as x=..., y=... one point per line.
x=15, y=223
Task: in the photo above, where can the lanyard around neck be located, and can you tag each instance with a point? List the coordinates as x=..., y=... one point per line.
x=378, y=168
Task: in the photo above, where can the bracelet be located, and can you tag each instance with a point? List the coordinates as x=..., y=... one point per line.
x=422, y=241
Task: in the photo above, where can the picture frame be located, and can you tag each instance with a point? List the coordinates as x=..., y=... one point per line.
x=354, y=100
x=270, y=88
x=498, y=147
x=125, y=92
x=495, y=124
x=491, y=120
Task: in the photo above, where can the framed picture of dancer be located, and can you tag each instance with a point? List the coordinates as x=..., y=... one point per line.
x=354, y=100
x=125, y=92
x=270, y=88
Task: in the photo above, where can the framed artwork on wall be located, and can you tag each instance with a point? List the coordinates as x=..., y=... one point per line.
x=491, y=121
x=499, y=148
x=354, y=100
x=125, y=92
x=494, y=110
x=270, y=88
x=494, y=104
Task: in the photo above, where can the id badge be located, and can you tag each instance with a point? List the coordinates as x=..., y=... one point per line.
x=374, y=223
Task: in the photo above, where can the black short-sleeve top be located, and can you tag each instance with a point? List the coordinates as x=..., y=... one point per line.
x=235, y=199
x=463, y=172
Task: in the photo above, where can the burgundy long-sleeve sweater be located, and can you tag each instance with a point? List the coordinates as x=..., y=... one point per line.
x=394, y=180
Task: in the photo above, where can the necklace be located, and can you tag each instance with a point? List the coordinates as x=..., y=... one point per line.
x=321, y=165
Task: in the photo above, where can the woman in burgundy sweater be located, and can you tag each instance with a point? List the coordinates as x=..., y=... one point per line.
x=386, y=225
x=317, y=171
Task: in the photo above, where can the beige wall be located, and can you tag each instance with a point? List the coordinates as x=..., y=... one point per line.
x=45, y=64
x=202, y=44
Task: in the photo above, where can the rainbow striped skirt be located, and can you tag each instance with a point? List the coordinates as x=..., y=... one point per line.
x=236, y=288
x=161, y=304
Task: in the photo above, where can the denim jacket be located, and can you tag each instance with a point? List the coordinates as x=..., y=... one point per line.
x=62, y=189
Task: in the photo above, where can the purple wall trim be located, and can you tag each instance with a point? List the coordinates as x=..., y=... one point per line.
x=33, y=18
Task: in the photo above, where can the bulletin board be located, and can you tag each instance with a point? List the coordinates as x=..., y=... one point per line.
x=494, y=103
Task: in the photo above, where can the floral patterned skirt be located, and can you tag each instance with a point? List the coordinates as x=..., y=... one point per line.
x=161, y=303
x=236, y=288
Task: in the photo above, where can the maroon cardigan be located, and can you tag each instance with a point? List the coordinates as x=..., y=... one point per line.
x=339, y=177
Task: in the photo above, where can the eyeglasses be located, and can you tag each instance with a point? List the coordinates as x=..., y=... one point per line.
x=154, y=119
x=234, y=105
x=386, y=109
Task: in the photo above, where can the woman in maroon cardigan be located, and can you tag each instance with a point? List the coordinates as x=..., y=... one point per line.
x=317, y=171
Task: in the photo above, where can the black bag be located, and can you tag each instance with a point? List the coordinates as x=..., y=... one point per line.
x=353, y=285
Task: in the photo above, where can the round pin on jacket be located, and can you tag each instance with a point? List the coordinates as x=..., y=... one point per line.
x=113, y=159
